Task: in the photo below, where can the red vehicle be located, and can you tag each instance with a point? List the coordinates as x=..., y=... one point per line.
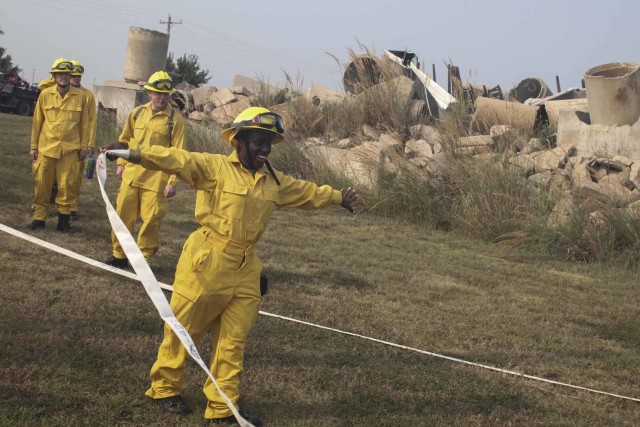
x=16, y=96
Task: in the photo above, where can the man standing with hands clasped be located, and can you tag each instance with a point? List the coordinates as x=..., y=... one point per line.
x=59, y=138
x=217, y=281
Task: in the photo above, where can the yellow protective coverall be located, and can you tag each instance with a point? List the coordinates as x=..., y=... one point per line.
x=217, y=281
x=141, y=193
x=60, y=130
x=90, y=105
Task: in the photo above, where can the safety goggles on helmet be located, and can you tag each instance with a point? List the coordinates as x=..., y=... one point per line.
x=161, y=84
x=64, y=66
x=78, y=70
x=265, y=120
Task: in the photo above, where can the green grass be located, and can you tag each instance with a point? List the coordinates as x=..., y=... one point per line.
x=77, y=343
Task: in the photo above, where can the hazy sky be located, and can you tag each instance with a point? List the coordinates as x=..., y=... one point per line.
x=492, y=41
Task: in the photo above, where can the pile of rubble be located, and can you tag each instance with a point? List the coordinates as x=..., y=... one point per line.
x=596, y=128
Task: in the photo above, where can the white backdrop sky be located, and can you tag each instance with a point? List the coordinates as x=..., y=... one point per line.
x=492, y=41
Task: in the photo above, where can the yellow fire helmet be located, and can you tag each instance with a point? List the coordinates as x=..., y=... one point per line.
x=61, y=65
x=255, y=118
x=160, y=82
x=78, y=69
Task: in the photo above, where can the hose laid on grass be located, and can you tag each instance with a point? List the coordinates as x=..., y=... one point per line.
x=124, y=273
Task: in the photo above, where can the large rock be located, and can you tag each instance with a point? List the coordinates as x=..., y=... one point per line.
x=202, y=95
x=222, y=97
x=225, y=114
x=422, y=131
x=551, y=159
x=418, y=148
x=255, y=86
x=319, y=95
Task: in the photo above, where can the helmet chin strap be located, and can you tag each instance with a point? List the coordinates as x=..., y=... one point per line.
x=248, y=156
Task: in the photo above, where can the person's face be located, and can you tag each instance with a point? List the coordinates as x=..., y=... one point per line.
x=75, y=80
x=159, y=100
x=62, y=79
x=254, y=148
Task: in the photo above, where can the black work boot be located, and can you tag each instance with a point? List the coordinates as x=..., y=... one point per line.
x=114, y=261
x=174, y=405
x=231, y=420
x=74, y=216
x=35, y=224
x=63, y=224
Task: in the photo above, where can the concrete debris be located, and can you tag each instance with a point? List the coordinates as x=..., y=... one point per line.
x=198, y=116
x=553, y=108
x=222, y=97
x=490, y=112
x=224, y=115
x=418, y=148
x=202, y=95
x=255, y=86
x=240, y=90
x=319, y=95
x=422, y=131
x=591, y=139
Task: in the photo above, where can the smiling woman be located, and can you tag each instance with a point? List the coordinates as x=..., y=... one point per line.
x=217, y=282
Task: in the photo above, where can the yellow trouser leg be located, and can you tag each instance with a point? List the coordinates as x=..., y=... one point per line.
x=213, y=289
x=45, y=171
x=153, y=208
x=77, y=183
x=232, y=330
x=127, y=207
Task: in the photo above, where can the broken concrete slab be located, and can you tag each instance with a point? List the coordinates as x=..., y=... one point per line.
x=553, y=108
x=202, y=95
x=222, y=97
x=422, y=131
x=601, y=140
x=240, y=90
x=224, y=115
x=319, y=95
x=475, y=140
x=418, y=148
x=255, y=86
x=550, y=159
x=198, y=116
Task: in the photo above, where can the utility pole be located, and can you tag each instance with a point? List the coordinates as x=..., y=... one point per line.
x=169, y=23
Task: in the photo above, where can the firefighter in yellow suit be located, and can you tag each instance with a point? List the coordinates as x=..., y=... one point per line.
x=90, y=105
x=144, y=193
x=217, y=278
x=59, y=138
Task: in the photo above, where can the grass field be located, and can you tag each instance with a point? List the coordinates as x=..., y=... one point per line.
x=77, y=343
